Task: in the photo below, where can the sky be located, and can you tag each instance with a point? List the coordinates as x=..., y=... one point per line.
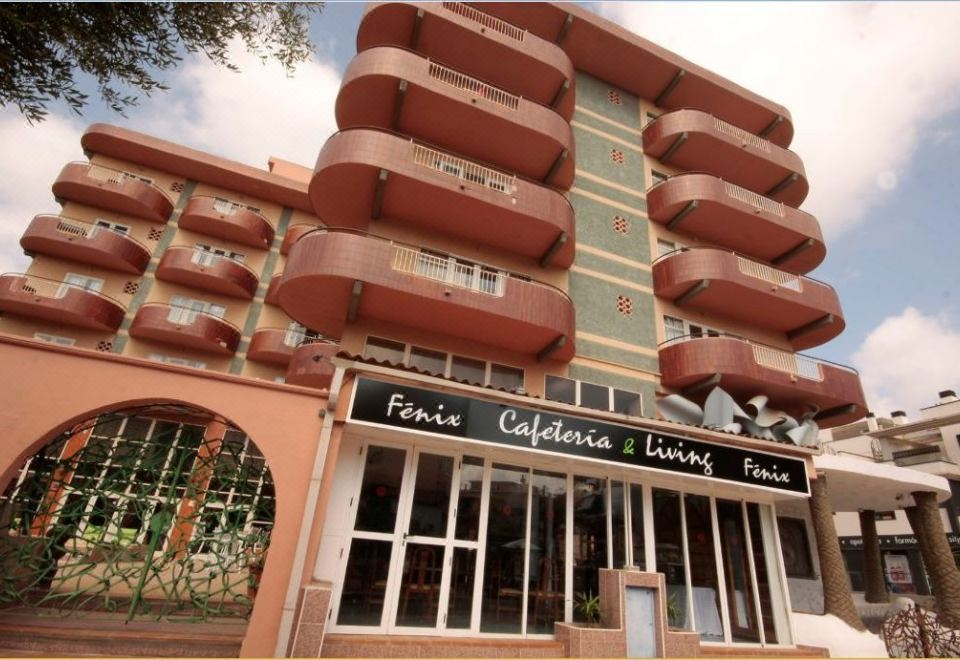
x=873, y=88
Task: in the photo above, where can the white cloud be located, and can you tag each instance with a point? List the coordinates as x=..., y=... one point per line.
x=906, y=360
x=34, y=156
x=862, y=80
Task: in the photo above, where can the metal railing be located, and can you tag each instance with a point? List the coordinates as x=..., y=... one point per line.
x=467, y=83
x=753, y=199
x=206, y=259
x=791, y=363
x=184, y=316
x=918, y=456
x=111, y=175
x=463, y=169
x=744, y=136
x=486, y=20
x=227, y=207
x=84, y=229
x=44, y=287
x=767, y=273
x=450, y=270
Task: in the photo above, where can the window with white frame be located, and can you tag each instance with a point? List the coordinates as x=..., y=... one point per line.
x=184, y=311
x=77, y=281
x=471, y=370
x=112, y=226
x=666, y=247
x=182, y=362
x=591, y=395
x=297, y=334
x=54, y=339
x=459, y=272
x=674, y=328
x=228, y=207
x=207, y=255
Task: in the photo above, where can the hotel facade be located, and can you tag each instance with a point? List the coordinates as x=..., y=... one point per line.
x=406, y=402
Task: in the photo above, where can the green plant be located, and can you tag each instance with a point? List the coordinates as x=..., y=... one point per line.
x=674, y=611
x=588, y=606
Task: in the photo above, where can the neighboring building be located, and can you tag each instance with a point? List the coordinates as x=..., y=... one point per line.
x=930, y=445
x=414, y=390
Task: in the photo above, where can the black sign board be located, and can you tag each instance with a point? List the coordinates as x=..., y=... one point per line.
x=892, y=541
x=426, y=411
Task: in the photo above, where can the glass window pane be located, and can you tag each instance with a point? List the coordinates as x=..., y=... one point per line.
x=736, y=572
x=589, y=536
x=594, y=396
x=468, y=504
x=364, y=583
x=506, y=378
x=561, y=389
x=433, y=362
x=431, y=496
x=763, y=576
x=669, y=552
x=672, y=328
x=796, y=548
x=703, y=567
x=548, y=518
x=636, y=526
x=618, y=524
x=626, y=403
x=420, y=586
x=462, y=576
x=380, y=491
x=506, y=546
x=469, y=370
x=383, y=350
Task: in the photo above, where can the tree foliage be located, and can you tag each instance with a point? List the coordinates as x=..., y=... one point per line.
x=125, y=47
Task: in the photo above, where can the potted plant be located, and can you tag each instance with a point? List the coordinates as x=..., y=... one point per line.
x=588, y=606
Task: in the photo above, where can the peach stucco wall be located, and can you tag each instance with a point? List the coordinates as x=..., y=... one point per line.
x=46, y=389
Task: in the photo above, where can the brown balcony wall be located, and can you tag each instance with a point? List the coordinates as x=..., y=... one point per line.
x=334, y=277
x=293, y=234
x=56, y=302
x=438, y=192
x=310, y=365
x=832, y=388
x=730, y=286
x=225, y=276
x=442, y=106
x=239, y=224
x=270, y=345
x=103, y=188
x=273, y=289
x=610, y=52
x=198, y=331
x=694, y=140
x=75, y=240
x=475, y=43
x=705, y=206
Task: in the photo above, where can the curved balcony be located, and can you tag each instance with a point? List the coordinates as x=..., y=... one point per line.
x=58, y=302
x=188, y=328
x=730, y=285
x=293, y=234
x=113, y=190
x=273, y=289
x=695, y=140
x=445, y=107
x=475, y=43
x=208, y=272
x=273, y=345
x=722, y=213
x=334, y=277
x=215, y=216
x=310, y=365
x=745, y=369
x=363, y=174
x=75, y=240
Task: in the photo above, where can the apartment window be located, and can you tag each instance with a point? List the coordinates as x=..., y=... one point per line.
x=77, y=281
x=796, y=548
x=297, y=334
x=207, y=255
x=54, y=339
x=658, y=177
x=448, y=365
x=227, y=207
x=182, y=362
x=591, y=395
x=112, y=226
x=674, y=328
x=666, y=247
x=136, y=177
x=184, y=311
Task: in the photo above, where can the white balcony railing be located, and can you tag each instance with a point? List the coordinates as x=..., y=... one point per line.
x=753, y=199
x=743, y=136
x=467, y=83
x=486, y=20
x=464, y=169
x=791, y=363
x=449, y=270
x=768, y=274
x=101, y=173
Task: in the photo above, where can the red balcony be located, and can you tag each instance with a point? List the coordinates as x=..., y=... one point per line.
x=629, y=62
x=113, y=190
x=462, y=114
x=293, y=234
x=215, y=216
x=729, y=285
x=273, y=289
x=58, y=302
x=188, y=328
x=273, y=345
x=475, y=43
x=745, y=369
x=719, y=212
x=694, y=140
x=75, y=240
x=310, y=365
x=363, y=174
x=334, y=277
x=208, y=272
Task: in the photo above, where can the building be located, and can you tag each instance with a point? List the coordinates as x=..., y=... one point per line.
x=928, y=445
x=409, y=398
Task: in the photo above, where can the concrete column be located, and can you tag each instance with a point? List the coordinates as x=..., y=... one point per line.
x=837, y=596
x=928, y=527
x=874, y=586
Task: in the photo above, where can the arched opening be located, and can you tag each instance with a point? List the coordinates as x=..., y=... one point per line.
x=159, y=512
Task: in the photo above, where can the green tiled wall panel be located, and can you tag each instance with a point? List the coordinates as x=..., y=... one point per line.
x=595, y=228
x=593, y=94
x=590, y=349
x=593, y=155
x=596, y=305
x=615, y=268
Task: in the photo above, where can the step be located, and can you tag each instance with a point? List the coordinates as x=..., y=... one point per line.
x=415, y=646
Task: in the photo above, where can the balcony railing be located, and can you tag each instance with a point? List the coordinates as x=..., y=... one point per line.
x=745, y=137
x=450, y=270
x=467, y=83
x=918, y=456
x=486, y=20
x=464, y=169
x=101, y=173
x=767, y=273
x=753, y=199
x=227, y=207
x=47, y=288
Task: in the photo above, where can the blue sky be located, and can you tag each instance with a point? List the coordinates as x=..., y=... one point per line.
x=874, y=89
